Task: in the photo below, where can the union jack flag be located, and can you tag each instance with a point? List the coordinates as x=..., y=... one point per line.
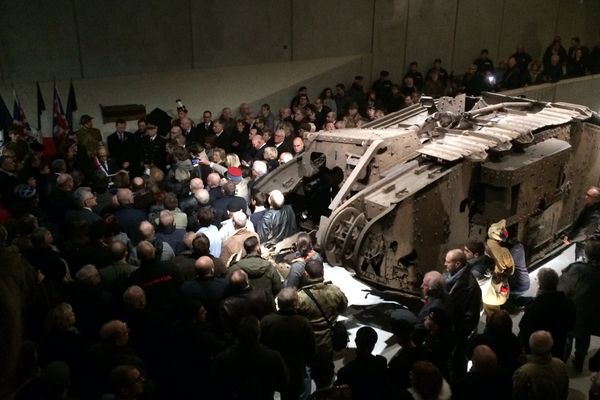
x=60, y=126
x=19, y=119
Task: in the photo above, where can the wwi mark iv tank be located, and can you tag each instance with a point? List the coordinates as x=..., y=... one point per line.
x=391, y=198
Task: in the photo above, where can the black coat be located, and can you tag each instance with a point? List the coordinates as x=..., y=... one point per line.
x=161, y=282
x=552, y=312
x=277, y=224
x=129, y=220
x=580, y=282
x=153, y=151
x=586, y=223
x=249, y=372
x=466, y=298
x=127, y=150
x=291, y=335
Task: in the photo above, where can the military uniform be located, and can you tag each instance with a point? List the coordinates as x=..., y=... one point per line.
x=333, y=302
x=89, y=138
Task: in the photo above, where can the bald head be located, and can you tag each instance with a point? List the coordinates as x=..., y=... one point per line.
x=146, y=230
x=276, y=199
x=166, y=219
x=484, y=359
x=134, y=298
x=145, y=251
x=124, y=197
x=540, y=343
x=455, y=260
x=196, y=184
x=118, y=250
x=287, y=299
x=204, y=267
x=239, y=280
x=239, y=219
x=592, y=196
x=202, y=196
x=213, y=180
x=138, y=183
x=433, y=284
x=114, y=333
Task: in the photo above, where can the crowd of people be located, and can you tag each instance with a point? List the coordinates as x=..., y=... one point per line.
x=135, y=267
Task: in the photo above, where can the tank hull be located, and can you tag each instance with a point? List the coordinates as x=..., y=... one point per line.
x=429, y=181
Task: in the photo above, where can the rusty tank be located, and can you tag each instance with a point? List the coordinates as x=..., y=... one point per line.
x=388, y=200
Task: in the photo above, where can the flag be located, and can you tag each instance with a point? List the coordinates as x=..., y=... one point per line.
x=6, y=121
x=19, y=119
x=47, y=138
x=41, y=106
x=71, y=105
x=60, y=126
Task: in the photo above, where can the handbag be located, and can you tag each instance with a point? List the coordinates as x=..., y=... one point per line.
x=339, y=333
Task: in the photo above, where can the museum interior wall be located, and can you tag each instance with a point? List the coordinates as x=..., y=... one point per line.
x=219, y=53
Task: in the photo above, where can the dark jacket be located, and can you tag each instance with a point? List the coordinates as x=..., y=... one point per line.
x=276, y=225
x=172, y=236
x=580, y=282
x=366, y=376
x=552, y=312
x=127, y=150
x=161, y=282
x=129, y=219
x=247, y=302
x=292, y=336
x=221, y=206
x=466, y=298
x=249, y=372
x=210, y=292
x=586, y=223
x=153, y=151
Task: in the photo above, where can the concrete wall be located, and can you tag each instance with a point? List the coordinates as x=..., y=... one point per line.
x=582, y=90
x=74, y=39
x=200, y=89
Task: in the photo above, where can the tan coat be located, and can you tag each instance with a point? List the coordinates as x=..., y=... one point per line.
x=235, y=244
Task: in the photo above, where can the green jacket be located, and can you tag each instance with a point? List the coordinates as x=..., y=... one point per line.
x=261, y=273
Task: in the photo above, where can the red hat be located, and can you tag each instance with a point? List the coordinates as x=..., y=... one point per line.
x=234, y=174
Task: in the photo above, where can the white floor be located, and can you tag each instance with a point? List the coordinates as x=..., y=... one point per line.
x=370, y=309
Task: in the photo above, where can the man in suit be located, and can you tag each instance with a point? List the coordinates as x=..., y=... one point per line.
x=153, y=148
x=123, y=148
x=259, y=144
x=101, y=162
x=281, y=142
x=222, y=138
x=85, y=200
x=189, y=130
x=205, y=128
